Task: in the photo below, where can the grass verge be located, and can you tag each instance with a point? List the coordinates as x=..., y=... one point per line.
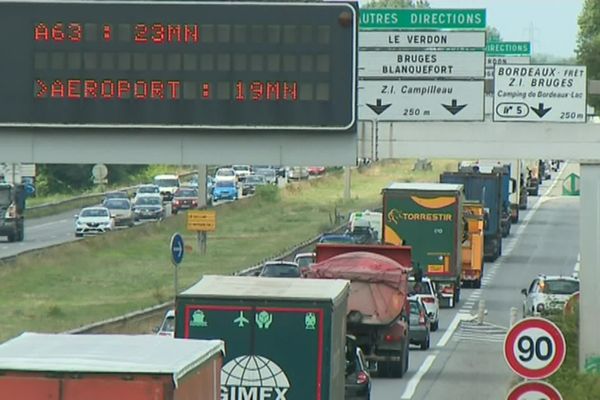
x=106, y=276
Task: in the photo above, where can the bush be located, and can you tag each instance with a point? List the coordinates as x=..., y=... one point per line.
x=268, y=193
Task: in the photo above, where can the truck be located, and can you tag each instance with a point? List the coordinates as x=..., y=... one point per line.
x=485, y=188
x=429, y=218
x=472, y=246
x=285, y=337
x=534, y=178
x=37, y=366
x=506, y=187
x=518, y=193
x=12, y=208
x=378, y=308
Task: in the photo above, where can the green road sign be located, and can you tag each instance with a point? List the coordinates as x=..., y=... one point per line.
x=422, y=19
x=508, y=49
x=592, y=364
x=571, y=185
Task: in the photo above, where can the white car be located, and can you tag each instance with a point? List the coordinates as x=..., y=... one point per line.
x=548, y=294
x=225, y=174
x=93, y=220
x=304, y=260
x=427, y=293
x=167, y=185
x=167, y=327
x=241, y=171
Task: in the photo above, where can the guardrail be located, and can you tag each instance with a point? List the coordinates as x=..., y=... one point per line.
x=92, y=197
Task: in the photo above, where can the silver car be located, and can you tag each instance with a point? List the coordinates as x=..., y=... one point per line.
x=121, y=211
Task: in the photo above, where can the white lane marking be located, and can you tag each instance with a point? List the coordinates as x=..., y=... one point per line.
x=577, y=266
x=451, y=328
x=47, y=224
x=414, y=381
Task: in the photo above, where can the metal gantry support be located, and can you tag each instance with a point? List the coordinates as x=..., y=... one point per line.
x=589, y=274
x=202, y=203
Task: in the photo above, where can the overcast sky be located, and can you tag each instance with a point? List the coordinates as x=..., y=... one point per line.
x=552, y=23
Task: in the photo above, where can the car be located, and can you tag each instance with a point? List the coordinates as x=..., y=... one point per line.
x=120, y=211
x=270, y=174
x=362, y=232
x=280, y=269
x=225, y=190
x=420, y=325
x=335, y=238
x=225, y=174
x=117, y=194
x=184, y=199
x=426, y=291
x=242, y=171
x=297, y=173
x=210, y=183
x=167, y=327
x=358, y=380
x=548, y=294
x=304, y=260
x=251, y=182
x=147, y=189
x=148, y=207
x=374, y=218
x=167, y=185
x=93, y=220
x=316, y=170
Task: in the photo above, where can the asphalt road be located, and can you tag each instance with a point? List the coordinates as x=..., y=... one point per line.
x=465, y=360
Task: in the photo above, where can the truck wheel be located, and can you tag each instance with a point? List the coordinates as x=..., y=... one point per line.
x=11, y=237
x=21, y=235
x=425, y=344
x=477, y=283
x=457, y=295
x=435, y=325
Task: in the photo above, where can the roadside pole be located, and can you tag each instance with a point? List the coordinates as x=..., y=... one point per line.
x=347, y=183
x=177, y=249
x=202, y=203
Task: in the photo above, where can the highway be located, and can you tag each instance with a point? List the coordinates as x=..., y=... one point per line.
x=465, y=360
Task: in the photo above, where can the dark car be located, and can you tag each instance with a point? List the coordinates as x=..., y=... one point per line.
x=280, y=269
x=420, y=324
x=184, y=199
x=251, y=182
x=118, y=194
x=358, y=380
x=332, y=238
x=148, y=208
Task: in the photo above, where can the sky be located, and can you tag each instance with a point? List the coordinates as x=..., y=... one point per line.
x=552, y=23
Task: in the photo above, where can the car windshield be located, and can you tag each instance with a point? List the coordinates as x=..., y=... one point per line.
x=148, y=189
x=148, y=201
x=415, y=287
x=255, y=179
x=186, y=193
x=225, y=184
x=281, y=270
x=166, y=182
x=225, y=172
x=337, y=239
x=265, y=172
x=5, y=196
x=94, y=212
x=304, y=261
x=241, y=168
x=168, y=325
x=560, y=286
x=117, y=204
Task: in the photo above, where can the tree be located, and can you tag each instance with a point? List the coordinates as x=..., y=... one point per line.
x=397, y=4
x=588, y=42
x=493, y=34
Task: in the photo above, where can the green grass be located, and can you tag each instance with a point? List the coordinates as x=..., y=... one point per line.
x=106, y=276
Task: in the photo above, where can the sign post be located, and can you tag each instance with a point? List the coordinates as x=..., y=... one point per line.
x=202, y=221
x=534, y=348
x=177, y=250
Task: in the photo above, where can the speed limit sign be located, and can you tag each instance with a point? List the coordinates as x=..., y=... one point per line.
x=534, y=390
x=534, y=348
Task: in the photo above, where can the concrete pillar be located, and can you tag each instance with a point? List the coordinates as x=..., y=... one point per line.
x=202, y=203
x=589, y=274
x=347, y=183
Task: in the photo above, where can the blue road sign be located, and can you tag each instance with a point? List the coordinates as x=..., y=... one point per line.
x=176, y=248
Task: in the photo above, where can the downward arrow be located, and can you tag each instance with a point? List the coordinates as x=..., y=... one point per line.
x=454, y=108
x=378, y=108
x=540, y=111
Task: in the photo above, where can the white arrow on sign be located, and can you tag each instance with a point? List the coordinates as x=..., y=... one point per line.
x=421, y=64
x=420, y=100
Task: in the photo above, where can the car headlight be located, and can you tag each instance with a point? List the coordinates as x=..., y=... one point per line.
x=79, y=223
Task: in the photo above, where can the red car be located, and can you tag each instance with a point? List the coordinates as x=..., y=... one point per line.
x=316, y=170
x=184, y=199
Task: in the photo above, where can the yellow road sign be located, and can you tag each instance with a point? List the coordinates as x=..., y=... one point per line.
x=202, y=220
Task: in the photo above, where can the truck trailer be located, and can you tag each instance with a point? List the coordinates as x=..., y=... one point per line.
x=97, y=367
x=284, y=337
x=429, y=218
x=472, y=246
x=378, y=308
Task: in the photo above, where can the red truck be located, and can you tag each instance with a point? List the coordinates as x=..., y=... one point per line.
x=378, y=308
x=99, y=367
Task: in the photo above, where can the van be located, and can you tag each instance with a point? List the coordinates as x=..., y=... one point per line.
x=167, y=185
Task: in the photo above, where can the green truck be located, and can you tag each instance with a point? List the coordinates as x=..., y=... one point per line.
x=429, y=218
x=284, y=337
